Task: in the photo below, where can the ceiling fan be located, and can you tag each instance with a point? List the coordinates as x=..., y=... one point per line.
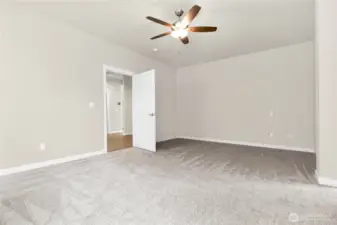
x=180, y=28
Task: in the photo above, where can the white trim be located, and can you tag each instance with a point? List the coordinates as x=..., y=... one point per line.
x=38, y=165
x=123, y=106
x=107, y=69
x=127, y=133
x=107, y=99
x=327, y=181
x=115, y=131
x=282, y=147
x=105, y=120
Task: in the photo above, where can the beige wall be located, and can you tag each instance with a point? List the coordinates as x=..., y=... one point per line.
x=49, y=73
x=326, y=49
x=232, y=99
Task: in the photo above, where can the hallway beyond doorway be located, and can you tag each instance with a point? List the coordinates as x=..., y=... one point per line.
x=118, y=141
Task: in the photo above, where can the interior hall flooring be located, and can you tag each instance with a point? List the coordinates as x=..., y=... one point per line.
x=183, y=183
x=118, y=141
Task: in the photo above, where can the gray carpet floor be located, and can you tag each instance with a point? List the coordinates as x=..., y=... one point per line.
x=185, y=182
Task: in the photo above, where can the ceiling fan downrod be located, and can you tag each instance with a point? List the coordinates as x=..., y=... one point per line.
x=179, y=12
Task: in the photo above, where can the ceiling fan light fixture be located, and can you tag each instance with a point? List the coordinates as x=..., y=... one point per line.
x=180, y=25
x=180, y=33
x=181, y=28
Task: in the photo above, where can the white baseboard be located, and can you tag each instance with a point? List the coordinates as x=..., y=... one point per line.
x=115, y=131
x=281, y=147
x=325, y=181
x=38, y=165
x=166, y=139
x=127, y=134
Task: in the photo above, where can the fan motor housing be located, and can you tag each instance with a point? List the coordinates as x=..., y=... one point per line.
x=179, y=12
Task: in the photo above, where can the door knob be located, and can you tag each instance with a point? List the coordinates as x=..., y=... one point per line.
x=151, y=114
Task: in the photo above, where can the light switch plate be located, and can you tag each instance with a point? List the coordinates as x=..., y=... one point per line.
x=43, y=146
x=91, y=105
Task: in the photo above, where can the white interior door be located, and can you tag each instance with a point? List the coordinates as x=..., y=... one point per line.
x=144, y=110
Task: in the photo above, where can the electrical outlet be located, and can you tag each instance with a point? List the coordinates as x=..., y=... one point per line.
x=271, y=113
x=43, y=147
x=271, y=134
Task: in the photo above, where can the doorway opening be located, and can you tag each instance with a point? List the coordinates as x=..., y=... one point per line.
x=129, y=109
x=118, y=111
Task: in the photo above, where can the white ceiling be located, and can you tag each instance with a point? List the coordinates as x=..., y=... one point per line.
x=244, y=26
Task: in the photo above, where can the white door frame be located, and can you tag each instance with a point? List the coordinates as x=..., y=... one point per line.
x=122, y=106
x=107, y=109
x=116, y=70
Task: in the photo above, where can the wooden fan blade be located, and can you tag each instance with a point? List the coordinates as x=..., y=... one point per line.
x=202, y=29
x=185, y=40
x=189, y=17
x=161, y=35
x=159, y=21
